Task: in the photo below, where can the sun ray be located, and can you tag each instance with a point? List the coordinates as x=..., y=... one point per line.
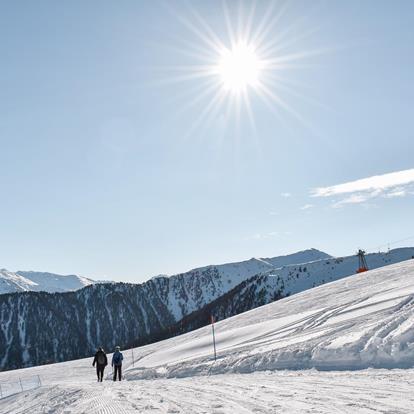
x=280, y=102
x=184, y=77
x=214, y=103
x=214, y=43
x=298, y=56
x=250, y=20
x=290, y=88
x=277, y=111
x=265, y=28
x=210, y=32
x=191, y=49
x=229, y=27
x=249, y=110
x=278, y=44
x=205, y=92
x=263, y=22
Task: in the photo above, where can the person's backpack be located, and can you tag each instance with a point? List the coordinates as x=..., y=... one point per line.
x=101, y=358
x=117, y=358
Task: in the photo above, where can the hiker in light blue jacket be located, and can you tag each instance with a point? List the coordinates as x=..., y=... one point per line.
x=117, y=359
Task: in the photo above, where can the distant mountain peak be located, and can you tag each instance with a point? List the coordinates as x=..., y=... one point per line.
x=24, y=281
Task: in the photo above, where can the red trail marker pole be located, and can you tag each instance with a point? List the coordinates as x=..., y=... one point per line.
x=214, y=337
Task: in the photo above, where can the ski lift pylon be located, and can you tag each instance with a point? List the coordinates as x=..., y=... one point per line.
x=362, y=267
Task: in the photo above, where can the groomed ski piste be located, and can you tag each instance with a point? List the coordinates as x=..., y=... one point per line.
x=344, y=347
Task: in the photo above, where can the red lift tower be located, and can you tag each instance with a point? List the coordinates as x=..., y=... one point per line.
x=363, y=267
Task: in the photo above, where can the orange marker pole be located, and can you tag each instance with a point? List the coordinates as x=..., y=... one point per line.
x=214, y=337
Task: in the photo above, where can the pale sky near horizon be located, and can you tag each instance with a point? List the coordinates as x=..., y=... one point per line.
x=110, y=170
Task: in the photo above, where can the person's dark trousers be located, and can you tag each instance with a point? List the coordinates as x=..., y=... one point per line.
x=100, y=371
x=117, y=369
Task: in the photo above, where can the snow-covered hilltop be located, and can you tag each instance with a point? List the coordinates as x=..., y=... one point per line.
x=40, y=282
x=361, y=321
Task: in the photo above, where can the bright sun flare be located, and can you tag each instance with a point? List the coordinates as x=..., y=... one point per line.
x=251, y=59
x=239, y=67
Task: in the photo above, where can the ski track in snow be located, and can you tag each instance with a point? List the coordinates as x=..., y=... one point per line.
x=359, y=333
x=367, y=391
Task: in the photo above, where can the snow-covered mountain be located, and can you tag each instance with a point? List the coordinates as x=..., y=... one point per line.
x=187, y=292
x=12, y=282
x=107, y=314
x=340, y=328
x=230, y=275
x=40, y=282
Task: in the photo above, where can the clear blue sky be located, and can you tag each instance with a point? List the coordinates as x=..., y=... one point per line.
x=104, y=172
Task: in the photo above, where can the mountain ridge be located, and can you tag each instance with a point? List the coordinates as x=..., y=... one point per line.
x=22, y=281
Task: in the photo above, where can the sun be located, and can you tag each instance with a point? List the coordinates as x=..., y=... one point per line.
x=239, y=67
x=248, y=59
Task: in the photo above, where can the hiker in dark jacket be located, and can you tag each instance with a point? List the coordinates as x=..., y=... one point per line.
x=117, y=359
x=101, y=362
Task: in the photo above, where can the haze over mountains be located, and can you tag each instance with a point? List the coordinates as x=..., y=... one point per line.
x=39, y=327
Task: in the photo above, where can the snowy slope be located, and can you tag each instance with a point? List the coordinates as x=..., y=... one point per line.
x=361, y=321
x=21, y=281
x=365, y=320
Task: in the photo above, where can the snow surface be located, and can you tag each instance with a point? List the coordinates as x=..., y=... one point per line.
x=369, y=391
x=347, y=346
